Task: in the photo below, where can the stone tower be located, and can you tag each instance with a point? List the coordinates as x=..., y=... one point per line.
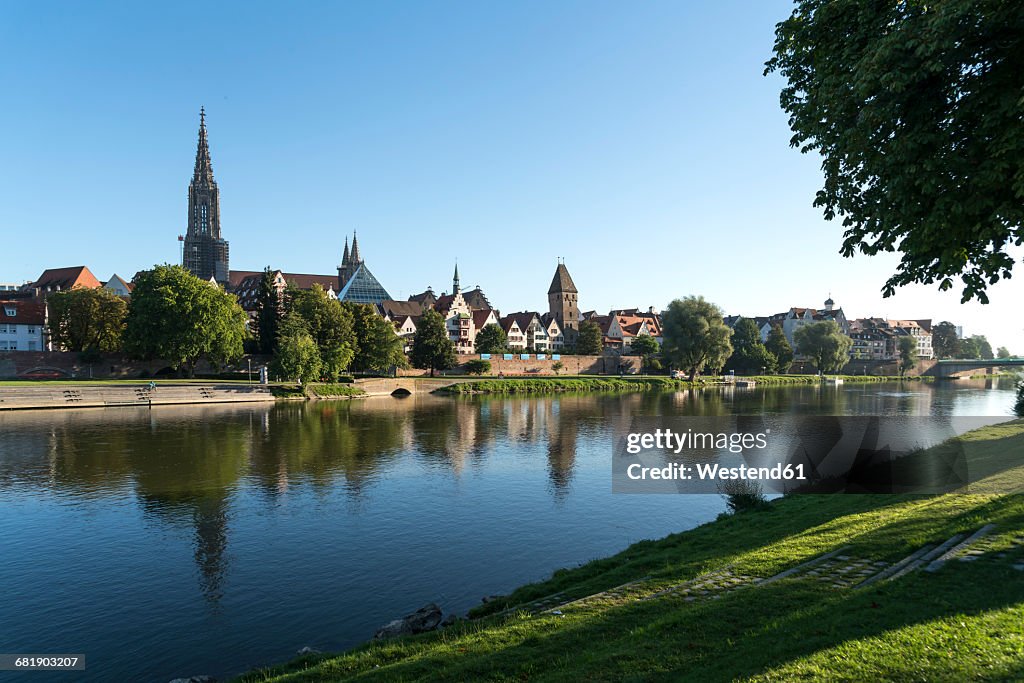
x=204, y=252
x=563, y=304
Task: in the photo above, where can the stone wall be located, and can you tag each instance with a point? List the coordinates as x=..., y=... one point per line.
x=573, y=365
x=68, y=365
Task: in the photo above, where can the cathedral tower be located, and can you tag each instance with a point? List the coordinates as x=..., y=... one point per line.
x=204, y=253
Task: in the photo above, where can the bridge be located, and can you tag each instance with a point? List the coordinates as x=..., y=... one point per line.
x=404, y=386
x=953, y=367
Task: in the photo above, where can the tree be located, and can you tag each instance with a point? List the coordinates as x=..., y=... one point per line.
x=1003, y=352
x=557, y=366
x=491, y=339
x=269, y=310
x=968, y=349
x=908, y=354
x=914, y=107
x=330, y=325
x=87, y=320
x=647, y=347
x=984, y=347
x=825, y=344
x=431, y=347
x=780, y=348
x=478, y=366
x=749, y=352
x=378, y=346
x=175, y=316
x=590, y=339
x=298, y=356
x=695, y=335
x=945, y=343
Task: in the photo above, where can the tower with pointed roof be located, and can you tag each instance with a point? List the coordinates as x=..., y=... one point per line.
x=204, y=252
x=563, y=304
x=455, y=280
x=355, y=281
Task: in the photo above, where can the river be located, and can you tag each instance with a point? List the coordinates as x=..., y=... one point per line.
x=212, y=539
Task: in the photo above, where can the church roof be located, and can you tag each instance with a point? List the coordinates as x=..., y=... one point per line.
x=562, y=282
x=363, y=287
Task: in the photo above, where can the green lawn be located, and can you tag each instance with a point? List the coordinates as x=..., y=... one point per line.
x=965, y=622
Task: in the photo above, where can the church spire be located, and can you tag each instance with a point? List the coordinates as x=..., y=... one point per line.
x=204, y=167
x=356, y=259
x=344, y=256
x=455, y=279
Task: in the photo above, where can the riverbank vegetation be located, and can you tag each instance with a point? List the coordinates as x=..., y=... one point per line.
x=961, y=622
x=565, y=384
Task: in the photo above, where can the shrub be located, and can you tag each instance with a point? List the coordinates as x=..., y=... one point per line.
x=742, y=495
x=478, y=366
x=1019, y=408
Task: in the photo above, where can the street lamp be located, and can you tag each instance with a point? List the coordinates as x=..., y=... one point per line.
x=249, y=361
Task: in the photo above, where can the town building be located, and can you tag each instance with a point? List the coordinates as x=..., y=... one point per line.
x=59, y=280
x=795, y=318
x=118, y=286
x=204, y=251
x=22, y=325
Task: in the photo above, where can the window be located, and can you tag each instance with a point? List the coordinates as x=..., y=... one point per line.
x=31, y=329
x=11, y=311
x=14, y=346
x=31, y=346
x=3, y=329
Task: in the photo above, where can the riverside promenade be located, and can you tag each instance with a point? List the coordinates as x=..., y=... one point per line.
x=59, y=395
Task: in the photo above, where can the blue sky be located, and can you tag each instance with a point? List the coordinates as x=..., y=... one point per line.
x=639, y=141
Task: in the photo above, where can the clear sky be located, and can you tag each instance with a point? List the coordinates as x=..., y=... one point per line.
x=639, y=141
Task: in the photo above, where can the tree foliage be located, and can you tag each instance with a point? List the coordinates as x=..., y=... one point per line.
x=589, y=340
x=175, y=316
x=984, y=347
x=908, y=354
x=945, y=343
x=298, y=357
x=378, y=346
x=780, y=348
x=825, y=344
x=1003, y=352
x=478, y=366
x=87, y=320
x=915, y=109
x=749, y=354
x=329, y=324
x=269, y=310
x=695, y=335
x=491, y=339
x=431, y=348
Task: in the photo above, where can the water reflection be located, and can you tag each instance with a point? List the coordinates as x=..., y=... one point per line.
x=183, y=464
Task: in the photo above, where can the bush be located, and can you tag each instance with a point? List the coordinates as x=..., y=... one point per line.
x=478, y=366
x=1019, y=408
x=742, y=495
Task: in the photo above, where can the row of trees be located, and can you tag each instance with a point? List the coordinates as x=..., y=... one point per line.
x=172, y=315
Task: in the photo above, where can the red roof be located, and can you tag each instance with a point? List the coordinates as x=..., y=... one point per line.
x=25, y=312
x=59, y=279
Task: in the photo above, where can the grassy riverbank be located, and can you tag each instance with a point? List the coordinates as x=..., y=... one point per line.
x=544, y=385
x=965, y=621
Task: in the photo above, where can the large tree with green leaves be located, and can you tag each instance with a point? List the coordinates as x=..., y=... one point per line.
x=175, y=316
x=825, y=344
x=298, y=356
x=432, y=349
x=648, y=348
x=908, y=354
x=491, y=339
x=589, y=340
x=749, y=354
x=269, y=310
x=780, y=348
x=984, y=347
x=915, y=109
x=331, y=326
x=1003, y=352
x=694, y=335
x=945, y=343
x=378, y=346
x=90, y=320
x=968, y=348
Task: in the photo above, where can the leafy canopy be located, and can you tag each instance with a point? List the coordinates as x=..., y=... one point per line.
x=695, y=335
x=780, y=348
x=175, y=316
x=915, y=109
x=491, y=339
x=825, y=344
x=87, y=320
x=589, y=341
x=431, y=347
